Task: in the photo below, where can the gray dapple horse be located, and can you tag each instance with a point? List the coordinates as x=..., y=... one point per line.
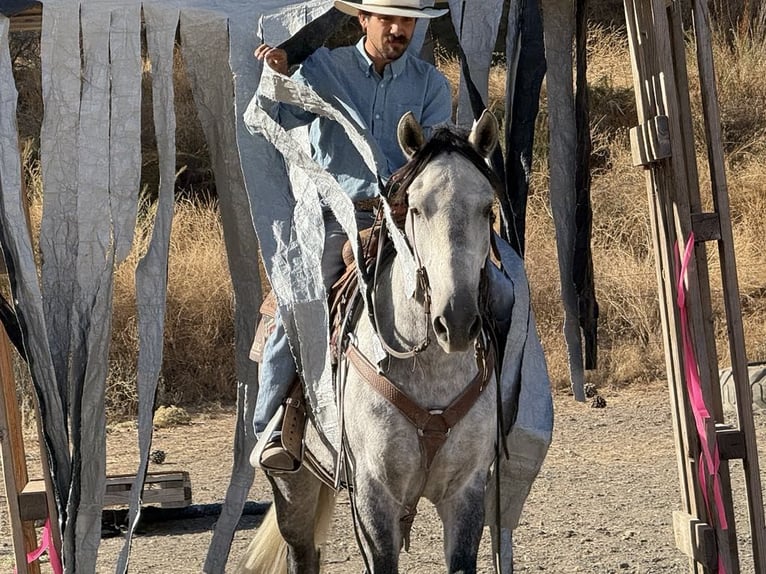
x=392, y=463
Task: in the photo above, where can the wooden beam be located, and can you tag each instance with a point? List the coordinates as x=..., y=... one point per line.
x=695, y=539
x=14, y=461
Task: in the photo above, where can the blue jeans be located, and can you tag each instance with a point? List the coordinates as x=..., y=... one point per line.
x=277, y=370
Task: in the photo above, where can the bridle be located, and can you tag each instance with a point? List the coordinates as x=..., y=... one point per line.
x=422, y=285
x=396, y=190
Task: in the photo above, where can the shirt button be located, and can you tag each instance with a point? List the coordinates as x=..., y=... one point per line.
x=377, y=116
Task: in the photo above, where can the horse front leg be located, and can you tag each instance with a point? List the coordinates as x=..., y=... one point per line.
x=463, y=518
x=301, y=505
x=378, y=531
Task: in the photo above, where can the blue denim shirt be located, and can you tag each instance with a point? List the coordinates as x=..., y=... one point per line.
x=346, y=78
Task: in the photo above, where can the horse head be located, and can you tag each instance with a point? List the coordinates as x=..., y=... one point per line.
x=450, y=190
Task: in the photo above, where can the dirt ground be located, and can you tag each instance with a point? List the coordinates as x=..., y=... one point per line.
x=602, y=503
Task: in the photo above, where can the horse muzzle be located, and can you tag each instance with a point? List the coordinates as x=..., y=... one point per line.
x=456, y=330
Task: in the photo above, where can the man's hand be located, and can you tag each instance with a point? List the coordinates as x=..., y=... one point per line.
x=276, y=58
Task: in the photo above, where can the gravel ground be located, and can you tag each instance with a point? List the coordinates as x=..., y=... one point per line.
x=602, y=503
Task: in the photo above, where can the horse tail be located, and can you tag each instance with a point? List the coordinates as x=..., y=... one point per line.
x=323, y=516
x=267, y=552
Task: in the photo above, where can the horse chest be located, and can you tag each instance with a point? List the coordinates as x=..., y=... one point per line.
x=382, y=428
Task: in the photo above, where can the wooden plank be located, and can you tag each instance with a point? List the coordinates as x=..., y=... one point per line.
x=640, y=65
x=151, y=477
x=688, y=201
x=730, y=281
x=695, y=539
x=706, y=226
x=33, y=501
x=14, y=461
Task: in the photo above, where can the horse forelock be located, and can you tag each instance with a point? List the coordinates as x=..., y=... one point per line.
x=444, y=140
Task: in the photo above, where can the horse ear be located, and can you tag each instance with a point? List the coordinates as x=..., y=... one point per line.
x=484, y=134
x=410, y=135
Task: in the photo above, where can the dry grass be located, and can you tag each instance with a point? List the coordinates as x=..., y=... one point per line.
x=198, y=362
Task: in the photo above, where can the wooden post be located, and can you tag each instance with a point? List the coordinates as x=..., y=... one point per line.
x=14, y=461
x=664, y=145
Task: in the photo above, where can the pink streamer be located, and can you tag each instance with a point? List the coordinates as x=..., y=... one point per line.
x=46, y=543
x=710, y=455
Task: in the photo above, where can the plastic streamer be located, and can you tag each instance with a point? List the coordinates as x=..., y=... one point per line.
x=710, y=455
x=46, y=544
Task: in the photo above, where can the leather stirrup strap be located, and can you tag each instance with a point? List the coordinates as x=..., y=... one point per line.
x=433, y=425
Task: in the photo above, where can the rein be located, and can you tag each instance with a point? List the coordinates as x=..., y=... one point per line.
x=422, y=285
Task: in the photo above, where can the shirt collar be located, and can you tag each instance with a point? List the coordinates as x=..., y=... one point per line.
x=396, y=67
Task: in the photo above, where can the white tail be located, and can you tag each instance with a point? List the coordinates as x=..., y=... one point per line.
x=267, y=553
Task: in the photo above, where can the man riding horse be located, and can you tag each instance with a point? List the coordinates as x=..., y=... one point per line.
x=375, y=84
x=378, y=81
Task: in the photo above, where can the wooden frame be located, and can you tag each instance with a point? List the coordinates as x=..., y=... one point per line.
x=664, y=145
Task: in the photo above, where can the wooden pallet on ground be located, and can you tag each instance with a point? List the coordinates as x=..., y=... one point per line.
x=168, y=489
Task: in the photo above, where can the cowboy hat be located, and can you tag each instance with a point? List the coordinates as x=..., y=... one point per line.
x=407, y=8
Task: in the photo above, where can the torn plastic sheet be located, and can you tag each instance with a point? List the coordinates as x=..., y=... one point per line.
x=46, y=313
x=281, y=88
x=476, y=25
x=294, y=267
x=22, y=271
x=91, y=312
x=527, y=403
x=151, y=271
x=206, y=50
x=559, y=32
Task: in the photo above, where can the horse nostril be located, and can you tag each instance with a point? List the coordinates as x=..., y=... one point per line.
x=440, y=327
x=475, y=329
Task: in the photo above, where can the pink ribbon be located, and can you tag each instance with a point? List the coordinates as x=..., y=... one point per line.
x=46, y=543
x=710, y=456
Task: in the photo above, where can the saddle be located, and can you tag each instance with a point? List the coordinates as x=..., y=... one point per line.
x=342, y=301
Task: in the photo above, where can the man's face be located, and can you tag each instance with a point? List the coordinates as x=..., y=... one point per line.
x=387, y=36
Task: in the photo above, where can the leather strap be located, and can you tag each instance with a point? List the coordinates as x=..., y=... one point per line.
x=433, y=425
x=294, y=423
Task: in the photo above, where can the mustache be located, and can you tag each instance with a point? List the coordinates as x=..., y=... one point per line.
x=398, y=38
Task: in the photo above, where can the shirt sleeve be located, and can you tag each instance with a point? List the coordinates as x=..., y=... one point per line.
x=437, y=108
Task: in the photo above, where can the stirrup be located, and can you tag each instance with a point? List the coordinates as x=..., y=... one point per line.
x=276, y=458
x=280, y=448
x=265, y=442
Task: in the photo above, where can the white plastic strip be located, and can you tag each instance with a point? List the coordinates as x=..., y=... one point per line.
x=151, y=272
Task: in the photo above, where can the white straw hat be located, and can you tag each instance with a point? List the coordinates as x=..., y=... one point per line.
x=407, y=8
